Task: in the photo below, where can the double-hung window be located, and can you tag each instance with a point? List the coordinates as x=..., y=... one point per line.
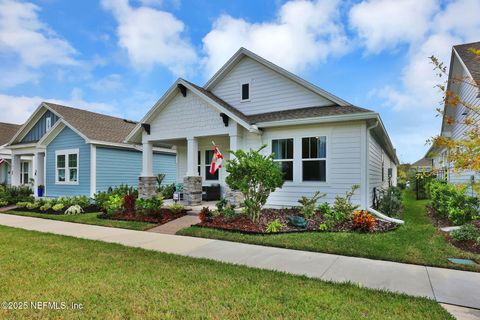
x=283, y=154
x=66, y=165
x=314, y=158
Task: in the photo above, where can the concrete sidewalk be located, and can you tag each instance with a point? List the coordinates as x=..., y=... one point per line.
x=443, y=285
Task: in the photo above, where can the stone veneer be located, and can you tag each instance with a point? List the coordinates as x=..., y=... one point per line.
x=147, y=187
x=192, y=190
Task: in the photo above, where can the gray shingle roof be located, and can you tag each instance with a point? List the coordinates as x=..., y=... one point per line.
x=301, y=113
x=7, y=131
x=471, y=61
x=95, y=126
x=424, y=162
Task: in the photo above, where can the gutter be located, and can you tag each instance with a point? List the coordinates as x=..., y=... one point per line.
x=323, y=119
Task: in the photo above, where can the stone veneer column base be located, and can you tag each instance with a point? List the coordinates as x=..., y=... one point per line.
x=147, y=187
x=192, y=190
x=234, y=197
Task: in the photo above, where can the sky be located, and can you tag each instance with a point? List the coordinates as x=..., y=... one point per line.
x=118, y=57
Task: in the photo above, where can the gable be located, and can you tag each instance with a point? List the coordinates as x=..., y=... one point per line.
x=269, y=90
x=184, y=116
x=40, y=127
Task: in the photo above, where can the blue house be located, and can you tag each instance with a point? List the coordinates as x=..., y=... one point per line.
x=77, y=152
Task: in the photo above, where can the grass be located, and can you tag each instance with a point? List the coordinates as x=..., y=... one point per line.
x=88, y=218
x=417, y=241
x=117, y=282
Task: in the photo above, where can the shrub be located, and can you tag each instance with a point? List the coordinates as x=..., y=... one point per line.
x=324, y=207
x=205, y=214
x=3, y=203
x=75, y=209
x=466, y=232
x=22, y=204
x=113, y=204
x=58, y=207
x=176, y=208
x=323, y=227
x=274, y=226
x=391, y=201
x=129, y=202
x=221, y=204
x=308, y=204
x=150, y=205
x=343, y=207
x=363, y=220
x=13, y=194
x=103, y=196
x=452, y=202
x=255, y=176
x=33, y=205
x=47, y=206
x=229, y=212
x=167, y=190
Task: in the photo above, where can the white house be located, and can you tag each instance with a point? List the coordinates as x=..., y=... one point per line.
x=463, y=80
x=322, y=142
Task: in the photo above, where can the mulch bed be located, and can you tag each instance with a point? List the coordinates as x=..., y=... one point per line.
x=89, y=209
x=468, y=245
x=244, y=225
x=161, y=216
x=437, y=220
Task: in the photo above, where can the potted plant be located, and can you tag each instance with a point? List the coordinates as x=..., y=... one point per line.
x=40, y=190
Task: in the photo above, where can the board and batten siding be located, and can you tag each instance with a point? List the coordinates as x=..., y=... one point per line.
x=344, y=163
x=269, y=90
x=65, y=140
x=122, y=166
x=40, y=128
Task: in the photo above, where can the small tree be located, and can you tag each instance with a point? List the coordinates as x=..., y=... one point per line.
x=255, y=176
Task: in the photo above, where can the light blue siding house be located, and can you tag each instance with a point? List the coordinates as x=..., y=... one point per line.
x=77, y=152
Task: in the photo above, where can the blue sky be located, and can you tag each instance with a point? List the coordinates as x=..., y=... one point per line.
x=118, y=56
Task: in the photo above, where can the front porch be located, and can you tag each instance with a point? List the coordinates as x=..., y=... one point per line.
x=27, y=167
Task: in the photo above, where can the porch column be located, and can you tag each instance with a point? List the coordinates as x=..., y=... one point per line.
x=192, y=182
x=15, y=170
x=233, y=196
x=147, y=183
x=233, y=143
x=38, y=172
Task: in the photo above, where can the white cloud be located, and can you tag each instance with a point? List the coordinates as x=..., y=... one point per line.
x=383, y=24
x=304, y=33
x=152, y=37
x=24, y=35
x=17, y=109
x=108, y=84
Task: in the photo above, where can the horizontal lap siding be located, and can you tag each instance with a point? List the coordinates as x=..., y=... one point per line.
x=343, y=166
x=120, y=166
x=67, y=139
x=269, y=90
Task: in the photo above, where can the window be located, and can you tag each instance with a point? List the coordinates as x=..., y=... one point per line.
x=24, y=176
x=66, y=166
x=283, y=154
x=48, y=123
x=245, y=91
x=208, y=160
x=314, y=158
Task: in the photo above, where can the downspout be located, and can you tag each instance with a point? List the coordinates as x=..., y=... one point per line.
x=367, y=184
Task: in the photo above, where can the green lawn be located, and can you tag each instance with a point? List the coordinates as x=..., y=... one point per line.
x=417, y=242
x=116, y=282
x=88, y=218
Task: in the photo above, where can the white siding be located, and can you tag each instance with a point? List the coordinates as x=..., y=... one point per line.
x=269, y=91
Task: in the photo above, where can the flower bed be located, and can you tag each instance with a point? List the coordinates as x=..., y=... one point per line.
x=243, y=224
x=87, y=209
x=160, y=216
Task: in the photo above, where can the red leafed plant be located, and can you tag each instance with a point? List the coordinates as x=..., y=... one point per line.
x=364, y=221
x=205, y=214
x=129, y=203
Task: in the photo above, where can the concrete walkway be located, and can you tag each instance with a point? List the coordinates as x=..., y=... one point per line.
x=444, y=285
x=175, y=225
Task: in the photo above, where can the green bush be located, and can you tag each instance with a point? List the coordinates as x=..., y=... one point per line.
x=33, y=205
x=58, y=207
x=307, y=208
x=391, y=201
x=255, y=176
x=3, y=203
x=150, y=205
x=466, y=232
x=47, y=206
x=101, y=197
x=16, y=194
x=176, y=208
x=274, y=226
x=113, y=204
x=452, y=202
x=343, y=207
x=22, y=204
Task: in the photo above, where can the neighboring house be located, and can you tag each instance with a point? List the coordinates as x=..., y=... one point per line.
x=7, y=131
x=77, y=152
x=464, y=80
x=422, y=165
x=321, y=141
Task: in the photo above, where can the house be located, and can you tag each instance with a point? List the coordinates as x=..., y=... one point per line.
x=463, y=81
x=422, y=165
x=7, y=131
x=320, y=141
x=77, y=152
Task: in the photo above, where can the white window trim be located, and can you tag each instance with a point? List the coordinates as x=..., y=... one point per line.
x=48, y=123
x=22, y=172
x=249, y=82
x=282, y=160
x=66, y=153
x=314, y=159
